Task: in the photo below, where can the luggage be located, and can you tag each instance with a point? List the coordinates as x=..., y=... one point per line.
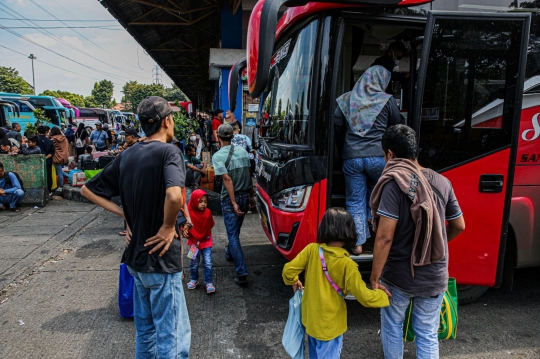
x=125, y=292
x=206, y=157
x=103, y=161
x=89, y=164
x=448, y=317
x=77, y=178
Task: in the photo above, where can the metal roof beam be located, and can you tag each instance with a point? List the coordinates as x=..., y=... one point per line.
x=146, y=14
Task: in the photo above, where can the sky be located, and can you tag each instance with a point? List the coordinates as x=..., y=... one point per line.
x=109, y=53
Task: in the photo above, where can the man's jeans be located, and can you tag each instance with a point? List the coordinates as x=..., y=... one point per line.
x=193, y=178
x=206, y=254
x=11, y=199
x=320, y=349
x=60, y=175
x=425, y=321
x=161, y=316
x=361, y=175
x=233, y=223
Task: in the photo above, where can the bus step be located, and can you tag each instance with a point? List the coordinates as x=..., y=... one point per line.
x=362, y=258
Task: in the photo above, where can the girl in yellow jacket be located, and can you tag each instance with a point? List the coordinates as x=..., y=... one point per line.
x=324, y=312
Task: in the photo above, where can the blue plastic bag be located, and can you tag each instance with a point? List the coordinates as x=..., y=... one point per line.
x=71, y=172
x=294, y=333
x=125, y=292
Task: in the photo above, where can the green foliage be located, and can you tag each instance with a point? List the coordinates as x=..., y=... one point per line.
x=135, y=92
x=174, y=93
x=103, y=92
x=40, y=116
x=11, y=81
x=183, y=125
x=30, y=129
x=90, y=101
x=74, y=99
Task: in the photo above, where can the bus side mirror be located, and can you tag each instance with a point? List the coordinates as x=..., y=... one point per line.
x=234, y=77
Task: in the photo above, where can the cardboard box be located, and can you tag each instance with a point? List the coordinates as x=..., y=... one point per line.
x=206, y=158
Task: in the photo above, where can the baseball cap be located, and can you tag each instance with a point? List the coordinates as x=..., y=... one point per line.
x=225, y=131
x=154, y=108
x=99, y=124
x=130, y=131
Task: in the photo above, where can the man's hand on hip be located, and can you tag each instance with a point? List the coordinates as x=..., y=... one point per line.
x=237, y=210
x=162, y=239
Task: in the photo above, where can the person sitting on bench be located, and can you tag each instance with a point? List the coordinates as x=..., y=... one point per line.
x=10, y=190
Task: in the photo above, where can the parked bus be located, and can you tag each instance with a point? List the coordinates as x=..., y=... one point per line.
x=55, y=113
x=464, y=96
x=90, y=116
x=7, y=110
x=74, y=111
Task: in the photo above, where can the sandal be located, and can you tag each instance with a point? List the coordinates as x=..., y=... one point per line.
x=192, y=284
x=14, y=209
x=210, y=288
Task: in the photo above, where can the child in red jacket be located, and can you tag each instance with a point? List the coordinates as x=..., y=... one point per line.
x=200, y=239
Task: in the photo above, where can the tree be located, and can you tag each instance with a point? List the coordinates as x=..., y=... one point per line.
x=90, y=101
x=135, y=92
x=74, y=99
x=103, y=92
x=174, y=93
x=11, y=81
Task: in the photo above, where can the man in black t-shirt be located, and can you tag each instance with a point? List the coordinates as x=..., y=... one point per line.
x=149, y=179
x=405, y=185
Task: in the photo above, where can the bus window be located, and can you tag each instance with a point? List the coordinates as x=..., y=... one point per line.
x=40, y=102
x=53, y=116
x=466, y=79
x=287, y=96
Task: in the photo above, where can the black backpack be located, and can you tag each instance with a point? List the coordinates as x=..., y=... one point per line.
x=8, y=180
x=89, y=164
x=103, y=161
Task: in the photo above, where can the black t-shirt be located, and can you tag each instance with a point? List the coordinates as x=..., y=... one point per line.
x=46, y=146
x=141, y=177
x=428, y=280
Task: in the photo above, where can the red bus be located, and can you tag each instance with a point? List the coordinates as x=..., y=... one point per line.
x=464, y=96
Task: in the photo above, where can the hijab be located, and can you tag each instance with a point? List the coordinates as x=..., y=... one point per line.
x=363, y=104
x=202, y=220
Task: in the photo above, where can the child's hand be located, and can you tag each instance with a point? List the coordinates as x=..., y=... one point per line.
x=185, y=231
x=379, y=285
x=297, y=285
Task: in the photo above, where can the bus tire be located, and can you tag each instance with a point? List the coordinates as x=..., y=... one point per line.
x=470, y=293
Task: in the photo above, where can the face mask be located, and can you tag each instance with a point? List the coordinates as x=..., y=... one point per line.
x=193, y=138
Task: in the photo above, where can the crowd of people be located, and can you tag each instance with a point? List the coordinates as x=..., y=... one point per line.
x=386, y=188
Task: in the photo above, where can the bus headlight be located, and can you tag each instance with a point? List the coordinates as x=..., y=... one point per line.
x=293, y=199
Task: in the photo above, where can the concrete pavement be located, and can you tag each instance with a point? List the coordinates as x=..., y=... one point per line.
x=59, y=273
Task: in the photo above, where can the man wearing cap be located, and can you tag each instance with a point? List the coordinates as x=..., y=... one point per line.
x=232, y=163
x=99, y=138
x=216, y=122
x=131, y=137
x=149, y=179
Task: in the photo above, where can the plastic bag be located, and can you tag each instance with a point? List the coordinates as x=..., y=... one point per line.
x=294, y=333
x=125, y=292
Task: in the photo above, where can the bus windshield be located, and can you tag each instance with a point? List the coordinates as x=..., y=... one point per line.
x=285, y=110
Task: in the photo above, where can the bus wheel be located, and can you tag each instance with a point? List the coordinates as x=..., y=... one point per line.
x=469, y=293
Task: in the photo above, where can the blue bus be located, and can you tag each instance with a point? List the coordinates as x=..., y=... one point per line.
x=56, y=114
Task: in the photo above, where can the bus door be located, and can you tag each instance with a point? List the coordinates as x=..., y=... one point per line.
x=470, y=63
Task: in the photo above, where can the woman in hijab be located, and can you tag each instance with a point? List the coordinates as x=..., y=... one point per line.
x=196, y=142
x=61, y=154
x=361, y=119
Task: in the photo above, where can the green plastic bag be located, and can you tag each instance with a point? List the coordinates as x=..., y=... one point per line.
x=449, y=316
x=91, y=173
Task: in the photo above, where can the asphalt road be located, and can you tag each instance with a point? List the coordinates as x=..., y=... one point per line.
x=59, y=273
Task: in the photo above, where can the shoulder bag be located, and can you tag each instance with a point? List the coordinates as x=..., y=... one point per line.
x=325, y=270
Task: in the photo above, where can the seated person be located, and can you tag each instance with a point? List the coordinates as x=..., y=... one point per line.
x=30, y=147
x=86, y=156
x=5, y=144
x=131, y=136
x=10, y=190
x=195, y=168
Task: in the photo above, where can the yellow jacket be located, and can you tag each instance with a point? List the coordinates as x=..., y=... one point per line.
x=324, y=312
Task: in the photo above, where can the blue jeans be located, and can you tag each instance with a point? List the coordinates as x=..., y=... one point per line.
x=161, y=316
x=425, y=321
x=11, y=199
x=330, y=349
x=206, y=254
x=361, y=175
x=233, y=223
x=60, y=175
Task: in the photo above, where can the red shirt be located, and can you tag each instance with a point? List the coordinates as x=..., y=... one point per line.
x=216, y=122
